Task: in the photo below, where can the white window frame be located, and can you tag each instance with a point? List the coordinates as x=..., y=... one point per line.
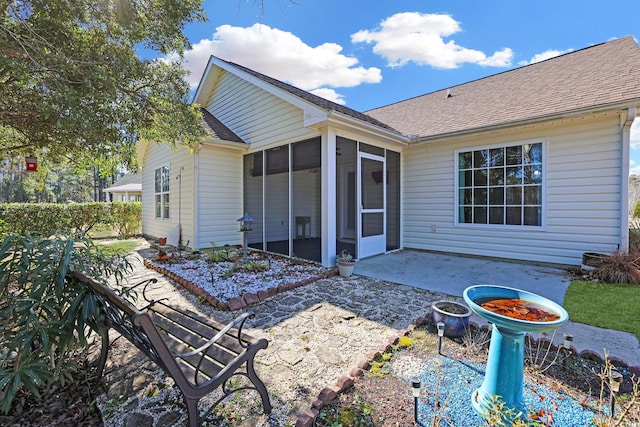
x=161, y=199
x=456, y=213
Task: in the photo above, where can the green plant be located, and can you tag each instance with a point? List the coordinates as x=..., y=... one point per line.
x=353, y=414
x=46, y=316
x=380, y=365
x=219, y=254
x=500, y=415
x=619, y=267
x=403, y=343
x=345, y=256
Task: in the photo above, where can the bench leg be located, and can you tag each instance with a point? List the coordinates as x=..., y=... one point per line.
x=257, y=382
x=104, y=351
x=192, y=411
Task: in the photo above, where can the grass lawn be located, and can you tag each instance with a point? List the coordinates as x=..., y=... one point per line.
x=607, y=305
x=118, y=247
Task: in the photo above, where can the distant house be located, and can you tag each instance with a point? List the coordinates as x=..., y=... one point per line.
x=529, y=164
x=126, y=189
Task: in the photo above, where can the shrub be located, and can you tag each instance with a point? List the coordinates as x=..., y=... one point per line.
x=619, y=268
x=43, y=219
x=126, y=218
x=636, y=210
x=45, y=317
x=634, y=236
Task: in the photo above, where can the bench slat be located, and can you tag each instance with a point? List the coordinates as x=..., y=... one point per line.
x=199, y=328
x=177, y=335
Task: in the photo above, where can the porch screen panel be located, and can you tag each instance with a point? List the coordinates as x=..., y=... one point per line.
x=306, y=199
x=346, y=212
x=393, y=200
x=276, y=198
x=253, y=197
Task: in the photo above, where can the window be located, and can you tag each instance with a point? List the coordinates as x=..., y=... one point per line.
x=501, y=185
x=162, y=192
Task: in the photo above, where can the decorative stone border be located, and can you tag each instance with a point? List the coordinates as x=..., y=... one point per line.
x=240, y=302
x=328, y=394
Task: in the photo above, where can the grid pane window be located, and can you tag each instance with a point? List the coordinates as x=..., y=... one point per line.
x=162, y=192
x=501, y=186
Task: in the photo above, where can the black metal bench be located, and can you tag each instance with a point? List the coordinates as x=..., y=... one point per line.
x=199, y=353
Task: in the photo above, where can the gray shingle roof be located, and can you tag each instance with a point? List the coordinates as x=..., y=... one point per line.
x=218, y=129
x=600, y=75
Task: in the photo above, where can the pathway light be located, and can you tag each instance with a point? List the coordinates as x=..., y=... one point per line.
x=415, y=390
x=440, y=336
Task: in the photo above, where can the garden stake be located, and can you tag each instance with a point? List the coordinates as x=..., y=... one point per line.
x=614, y=387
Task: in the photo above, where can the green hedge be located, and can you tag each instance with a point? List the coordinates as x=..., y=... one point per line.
x=43, y=219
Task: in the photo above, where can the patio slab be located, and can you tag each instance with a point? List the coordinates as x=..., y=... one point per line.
x=452, y=274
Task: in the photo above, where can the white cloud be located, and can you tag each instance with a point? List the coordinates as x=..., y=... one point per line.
x=547, y=54
x=281, y=55
x=417, y=37
x=329, y=94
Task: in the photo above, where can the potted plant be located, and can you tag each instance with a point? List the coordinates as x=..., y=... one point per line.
x=345, y=263
x=454, y=315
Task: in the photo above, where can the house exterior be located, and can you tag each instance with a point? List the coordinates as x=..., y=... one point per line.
x=529, y=164
x=126, y=189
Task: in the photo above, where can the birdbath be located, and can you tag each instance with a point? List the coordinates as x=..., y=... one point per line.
x=504, y=374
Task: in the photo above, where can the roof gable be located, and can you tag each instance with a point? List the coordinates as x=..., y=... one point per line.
x=603, y=75
x=322, y=108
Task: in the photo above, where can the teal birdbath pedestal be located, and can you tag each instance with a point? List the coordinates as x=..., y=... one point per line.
x=504, y=374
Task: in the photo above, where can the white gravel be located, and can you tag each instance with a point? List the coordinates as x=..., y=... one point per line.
x=214, y=277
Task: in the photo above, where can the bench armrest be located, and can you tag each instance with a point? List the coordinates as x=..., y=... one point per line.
x=203, y=349
x=127, y=292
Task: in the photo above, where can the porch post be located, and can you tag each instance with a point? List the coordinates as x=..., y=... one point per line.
x=328, y=178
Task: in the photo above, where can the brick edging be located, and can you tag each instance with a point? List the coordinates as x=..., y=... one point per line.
x=236, y=303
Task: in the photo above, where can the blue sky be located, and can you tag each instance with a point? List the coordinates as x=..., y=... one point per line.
x=366, y=54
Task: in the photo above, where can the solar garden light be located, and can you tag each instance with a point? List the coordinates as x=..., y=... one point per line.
x=614, y=387
x=246, y=223
x=440, y=335
x=415, y=390
x=566, y=344
x=568, y=340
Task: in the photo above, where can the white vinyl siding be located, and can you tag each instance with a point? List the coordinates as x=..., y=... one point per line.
x=219, y=196
x=256, y=116
x=582, y=195
x=180, y=210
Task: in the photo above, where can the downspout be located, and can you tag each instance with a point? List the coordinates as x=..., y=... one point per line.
x=196, y=192
x=623, y=246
